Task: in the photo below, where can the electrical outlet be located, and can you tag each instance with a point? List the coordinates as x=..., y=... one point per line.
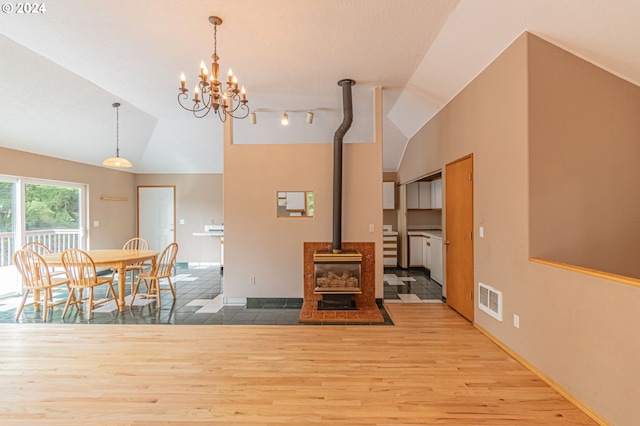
x=516, y=321
x=252, y=280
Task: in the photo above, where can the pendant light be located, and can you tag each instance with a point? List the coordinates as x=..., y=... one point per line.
x=117, y=161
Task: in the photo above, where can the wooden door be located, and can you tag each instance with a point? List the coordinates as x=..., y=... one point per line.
x=459, y=235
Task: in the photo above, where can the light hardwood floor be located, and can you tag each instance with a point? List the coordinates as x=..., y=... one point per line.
x=432, y=367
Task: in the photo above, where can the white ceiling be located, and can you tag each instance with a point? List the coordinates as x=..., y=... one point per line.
x=61, y=70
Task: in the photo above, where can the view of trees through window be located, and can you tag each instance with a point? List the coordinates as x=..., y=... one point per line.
x=51, y=207
x=46, y=207
x=6, y=206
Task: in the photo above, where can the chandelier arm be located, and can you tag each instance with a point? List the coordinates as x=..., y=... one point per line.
x=243, y=108
x=221, y=114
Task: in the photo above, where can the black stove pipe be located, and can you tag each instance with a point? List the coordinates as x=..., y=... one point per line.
x=347, y=107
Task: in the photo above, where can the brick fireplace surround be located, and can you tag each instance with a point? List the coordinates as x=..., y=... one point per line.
x=367, y=310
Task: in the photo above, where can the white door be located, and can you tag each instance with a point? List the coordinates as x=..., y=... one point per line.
x=156, y=215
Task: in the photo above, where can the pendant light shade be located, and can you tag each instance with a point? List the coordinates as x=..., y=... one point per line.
x=117, y=161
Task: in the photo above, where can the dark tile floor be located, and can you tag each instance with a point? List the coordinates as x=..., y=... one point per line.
x=412, y=285
x=199, y=301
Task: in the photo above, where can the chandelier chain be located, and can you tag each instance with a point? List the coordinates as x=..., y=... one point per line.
x=215, y=40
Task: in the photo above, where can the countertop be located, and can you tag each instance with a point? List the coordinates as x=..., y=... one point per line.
x=435, y=233
x=209, y=234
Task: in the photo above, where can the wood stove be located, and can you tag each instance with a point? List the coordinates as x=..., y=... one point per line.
x=337, y=277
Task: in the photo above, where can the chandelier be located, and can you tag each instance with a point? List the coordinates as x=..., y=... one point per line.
x=209, y=94
x=117, y=161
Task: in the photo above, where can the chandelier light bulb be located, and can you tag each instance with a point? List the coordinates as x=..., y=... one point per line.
x=285, y=119
x=182, y=81
x=310, y=117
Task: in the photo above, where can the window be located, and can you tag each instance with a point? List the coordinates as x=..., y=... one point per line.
x=49, y=212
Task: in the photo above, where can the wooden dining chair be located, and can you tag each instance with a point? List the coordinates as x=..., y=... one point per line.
x=37, y=280
x=135, y=244
x=37, y=247
x=42, y=249
x=162, y=270
x=81, y=271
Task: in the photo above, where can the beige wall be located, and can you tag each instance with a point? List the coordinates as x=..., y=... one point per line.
x=584, y=145
x=579, y=330
x=260, y=245
x=198, y=202
x=116, y=218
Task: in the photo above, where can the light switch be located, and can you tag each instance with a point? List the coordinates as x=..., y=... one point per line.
x=371, y=227
x=481, y=232
x=96, y=223
x=181, y=221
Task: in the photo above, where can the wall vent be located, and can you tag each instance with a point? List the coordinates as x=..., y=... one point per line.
x=490, y=301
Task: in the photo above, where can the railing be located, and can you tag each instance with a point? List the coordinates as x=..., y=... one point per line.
x=56, y=239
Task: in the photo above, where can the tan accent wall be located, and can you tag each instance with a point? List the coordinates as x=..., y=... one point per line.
x=584, y=145
x=579, y=330
x=116, y=218
x=259, y=244
x=198, y=202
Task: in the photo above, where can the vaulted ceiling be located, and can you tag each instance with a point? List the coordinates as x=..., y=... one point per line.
x=63, y=68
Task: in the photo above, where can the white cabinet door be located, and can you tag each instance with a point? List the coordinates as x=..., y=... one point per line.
x=413, y=196
x=415, y=250
x=389, y=195
x=436, y=194
x=436, y=260
x=426, y=252
x=424, y=198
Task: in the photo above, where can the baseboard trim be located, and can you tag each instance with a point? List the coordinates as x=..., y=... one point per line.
x=234, y=301
x=548, y=380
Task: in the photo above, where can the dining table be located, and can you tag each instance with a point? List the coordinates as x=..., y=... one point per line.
x=117, y=259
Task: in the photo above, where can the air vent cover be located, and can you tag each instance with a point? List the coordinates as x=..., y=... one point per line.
x=490, y=301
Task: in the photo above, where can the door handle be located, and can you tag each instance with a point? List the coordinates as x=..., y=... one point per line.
x=446, y=242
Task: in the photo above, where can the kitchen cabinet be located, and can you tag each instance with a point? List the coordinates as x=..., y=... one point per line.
x=436, y=259
x=436, y=194
x=426, y=252
x=419, y=195
x=415, y=250
x=413, y=195
x=390, y=249
x=424, y=191
x=389, y=195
